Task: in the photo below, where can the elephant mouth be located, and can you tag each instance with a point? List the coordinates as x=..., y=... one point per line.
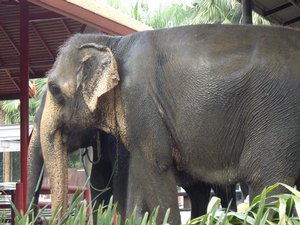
x=80, y=138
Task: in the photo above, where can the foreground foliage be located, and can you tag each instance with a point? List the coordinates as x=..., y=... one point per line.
x=264, y=209
x=78, y=213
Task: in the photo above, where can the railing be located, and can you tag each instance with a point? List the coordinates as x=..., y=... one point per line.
x=45, y=190
x=9, y=197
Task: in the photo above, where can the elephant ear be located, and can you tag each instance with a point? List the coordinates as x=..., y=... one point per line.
x=98, y=73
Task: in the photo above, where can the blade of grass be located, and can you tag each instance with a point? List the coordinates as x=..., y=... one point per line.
x=261, y=207
x=282, y=210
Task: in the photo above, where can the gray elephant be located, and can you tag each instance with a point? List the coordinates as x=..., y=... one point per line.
x=110, y=171
x=198, y=100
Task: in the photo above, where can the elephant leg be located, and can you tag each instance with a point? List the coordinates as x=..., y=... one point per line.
x=244, y=189
x=149, y=187
x=227, y=196
x=297, y=183
x=199, y=194
x=120, y=179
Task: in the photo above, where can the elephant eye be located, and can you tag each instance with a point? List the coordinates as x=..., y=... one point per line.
x=56, y=92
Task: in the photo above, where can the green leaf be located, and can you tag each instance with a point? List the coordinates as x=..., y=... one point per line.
x=262, y=199
x=262, y=220
x=297, y=204
x=291, y=189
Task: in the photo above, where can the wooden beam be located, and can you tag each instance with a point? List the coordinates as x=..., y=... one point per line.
x=94, y=15
x=66, y=26
x=13, y=80
x=36, y=64
x=13, y=44
x=42, y=40
x=294, y=20
x=296, y=3
x=247, y=12
x=277, y=9
x=9, y=39
x=34, y=17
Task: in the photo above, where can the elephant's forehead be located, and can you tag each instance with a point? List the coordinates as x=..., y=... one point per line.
x=64, y=74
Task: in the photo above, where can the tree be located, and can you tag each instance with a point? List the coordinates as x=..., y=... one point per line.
x=12, y=107
x=221, y=11
x=174, y=14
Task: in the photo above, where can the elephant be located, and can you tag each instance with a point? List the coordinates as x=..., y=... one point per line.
x=113, y=161
x=196, y=100
x=108, y=173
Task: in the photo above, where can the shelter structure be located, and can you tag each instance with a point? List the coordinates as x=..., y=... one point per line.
x=280, y=12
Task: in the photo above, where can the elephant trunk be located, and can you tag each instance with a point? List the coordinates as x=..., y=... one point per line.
x=35, y=165
x=55, y=154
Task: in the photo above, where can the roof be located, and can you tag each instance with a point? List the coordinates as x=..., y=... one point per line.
x=50, y=24
x=282, y=12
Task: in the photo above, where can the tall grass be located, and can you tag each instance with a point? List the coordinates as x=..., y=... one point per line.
x=79, y=213
x=283, y=209
x=265, y=209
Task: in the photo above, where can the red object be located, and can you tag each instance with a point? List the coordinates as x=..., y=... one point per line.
x=19, y=198
x=24, y=97
x=87, y=197
x=115, y=218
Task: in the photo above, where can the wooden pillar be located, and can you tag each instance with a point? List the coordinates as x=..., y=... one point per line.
x=247, y=11
x=7, y=166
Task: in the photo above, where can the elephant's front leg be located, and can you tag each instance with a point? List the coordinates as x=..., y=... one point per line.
x=150, y=186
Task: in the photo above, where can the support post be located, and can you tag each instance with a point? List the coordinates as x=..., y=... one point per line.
x=7, y=165
x=247, y=11
x=24, y=95
x=19, y=198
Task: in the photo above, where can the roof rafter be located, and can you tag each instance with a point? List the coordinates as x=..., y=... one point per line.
x=277, y=9
x=9, y=39
x=13, y=44
x=42, y=40
x=66, y=26
x=34, y=17
x=294, y=20
x=13, y=79
x=41, y=64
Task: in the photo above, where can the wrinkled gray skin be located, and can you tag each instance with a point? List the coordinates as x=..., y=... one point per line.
x=101, y=175
x=198, y=100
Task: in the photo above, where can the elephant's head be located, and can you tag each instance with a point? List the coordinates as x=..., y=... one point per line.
x=79, y=96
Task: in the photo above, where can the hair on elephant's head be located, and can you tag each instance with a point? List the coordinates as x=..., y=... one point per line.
x=81, y=79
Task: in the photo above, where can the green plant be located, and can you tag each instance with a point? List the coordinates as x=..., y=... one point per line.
x=77, y=213
x=264, y=209
x=12, y=107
